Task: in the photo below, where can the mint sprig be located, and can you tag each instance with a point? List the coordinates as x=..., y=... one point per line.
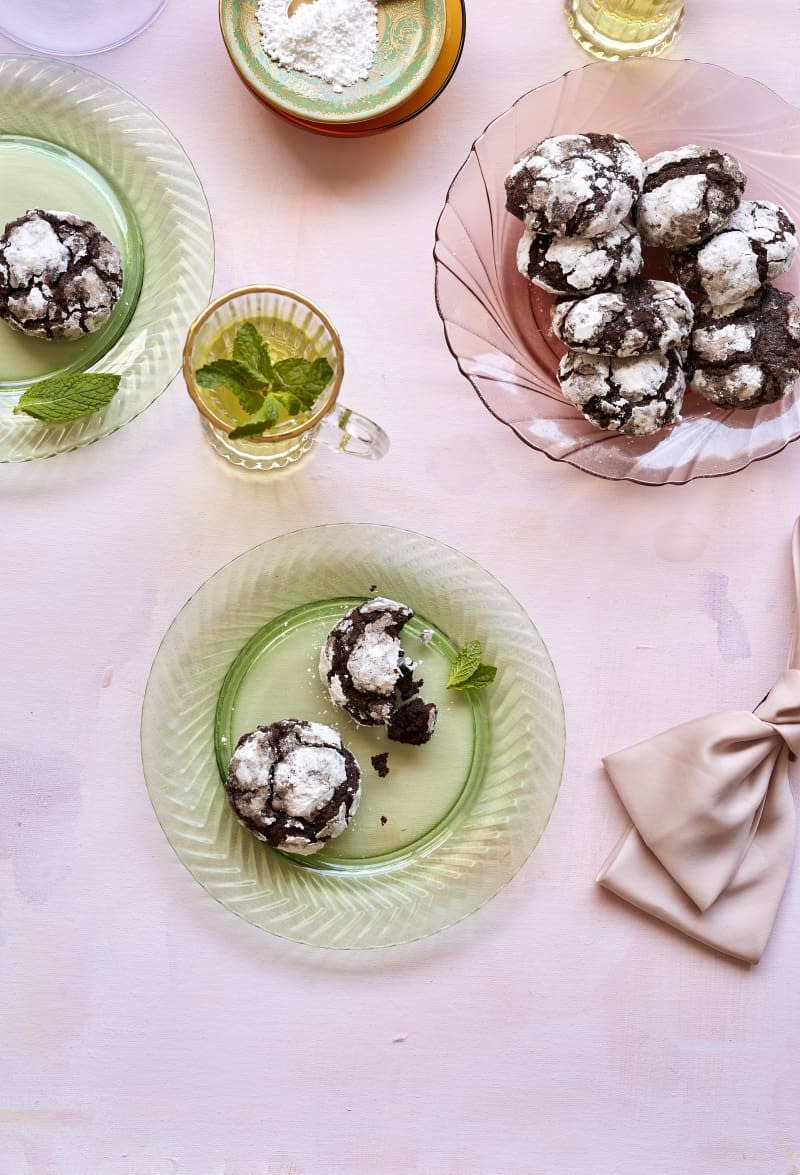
x=262, y=388
x=237, y=378
x=249, y=348
x=467, y=660
x=265, y=418
x=62, y=398
x=467, y=671
x=305, y=380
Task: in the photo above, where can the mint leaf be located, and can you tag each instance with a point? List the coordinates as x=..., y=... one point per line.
x=250, y=348
x=466, y=661
x=289, y=401
x=484, y=675
x=303, y=378
x=270, y=411
x=68, y=397
x=228, y=373
x=293, y=384
x=468, y=671
x=236, y=377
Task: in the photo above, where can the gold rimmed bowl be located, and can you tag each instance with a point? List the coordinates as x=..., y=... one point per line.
x=411, y=34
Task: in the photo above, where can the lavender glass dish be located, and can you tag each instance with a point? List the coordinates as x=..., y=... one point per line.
x=497, y=325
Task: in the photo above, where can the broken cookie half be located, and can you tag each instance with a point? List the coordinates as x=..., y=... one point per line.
x=366, y=672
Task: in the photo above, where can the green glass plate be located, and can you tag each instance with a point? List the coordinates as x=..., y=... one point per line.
x=276, y=676
x=71, y=140
x=451, y=823
x=410, y=37
x=39, y=174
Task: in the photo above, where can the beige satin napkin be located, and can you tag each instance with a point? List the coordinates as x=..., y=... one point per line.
x=712, y=835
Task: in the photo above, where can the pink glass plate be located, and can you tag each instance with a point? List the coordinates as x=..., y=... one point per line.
x=498, y=326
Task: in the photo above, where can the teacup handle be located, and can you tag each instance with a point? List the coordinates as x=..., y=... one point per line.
x=347, y=431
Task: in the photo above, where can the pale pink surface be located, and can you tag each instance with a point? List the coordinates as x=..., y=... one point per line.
x=148, y=1032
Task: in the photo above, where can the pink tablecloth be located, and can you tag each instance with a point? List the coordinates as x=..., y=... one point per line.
x=146, y=1031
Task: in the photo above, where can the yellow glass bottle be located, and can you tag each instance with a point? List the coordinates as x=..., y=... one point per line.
x=624, y=28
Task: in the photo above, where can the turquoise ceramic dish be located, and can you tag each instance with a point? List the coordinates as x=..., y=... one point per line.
x=410, y=38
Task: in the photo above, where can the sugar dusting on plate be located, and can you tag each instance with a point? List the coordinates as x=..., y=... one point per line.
x=334, y=40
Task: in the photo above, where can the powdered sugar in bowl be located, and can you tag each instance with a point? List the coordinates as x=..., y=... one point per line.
x=292, y=328
x=310, y=63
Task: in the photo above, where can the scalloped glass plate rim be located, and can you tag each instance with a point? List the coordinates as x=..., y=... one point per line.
x=570, y=459
x=330, y=530
x=198, y=268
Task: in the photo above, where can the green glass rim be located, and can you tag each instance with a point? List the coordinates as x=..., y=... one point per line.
x=99, y=121
x=131, y=247
x=447, y=823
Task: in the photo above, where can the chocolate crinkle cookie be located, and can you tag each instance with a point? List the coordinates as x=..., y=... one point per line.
x=362, y=660
x=750, y=357
x=364, y=667
x=60, y=277
x=687, y=195
x=575, y=185
x=636, y=396
x=641, y=316
x=293, y=784
x=580, y=265
x=757, y=244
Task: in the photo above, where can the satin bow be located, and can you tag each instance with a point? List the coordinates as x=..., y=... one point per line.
x=710, y=845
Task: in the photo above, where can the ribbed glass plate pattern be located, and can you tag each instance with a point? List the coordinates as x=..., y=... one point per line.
x=393, y=902
x=124, y=141
x=498, y=326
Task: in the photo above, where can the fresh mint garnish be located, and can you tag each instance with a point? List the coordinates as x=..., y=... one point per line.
x=467, y=660
x=68, y=397
x=468, y=671
x=484, y=675
x=237, y=377
x=262, y=388
x=305, y=380
x=265, y=418
x=249, y=348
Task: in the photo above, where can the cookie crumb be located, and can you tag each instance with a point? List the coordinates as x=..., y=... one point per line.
x=406, y=686
x=381, y=765
x=426, y=636
x=384, y=820
x=374, y=587
x=413, y=723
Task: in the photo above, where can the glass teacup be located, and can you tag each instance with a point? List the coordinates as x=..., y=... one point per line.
x=293, y=327
x=611, y=29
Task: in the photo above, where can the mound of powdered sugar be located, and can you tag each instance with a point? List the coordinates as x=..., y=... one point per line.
x=330, y=39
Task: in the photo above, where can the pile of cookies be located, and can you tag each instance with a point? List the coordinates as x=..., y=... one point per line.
x=588, y=204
